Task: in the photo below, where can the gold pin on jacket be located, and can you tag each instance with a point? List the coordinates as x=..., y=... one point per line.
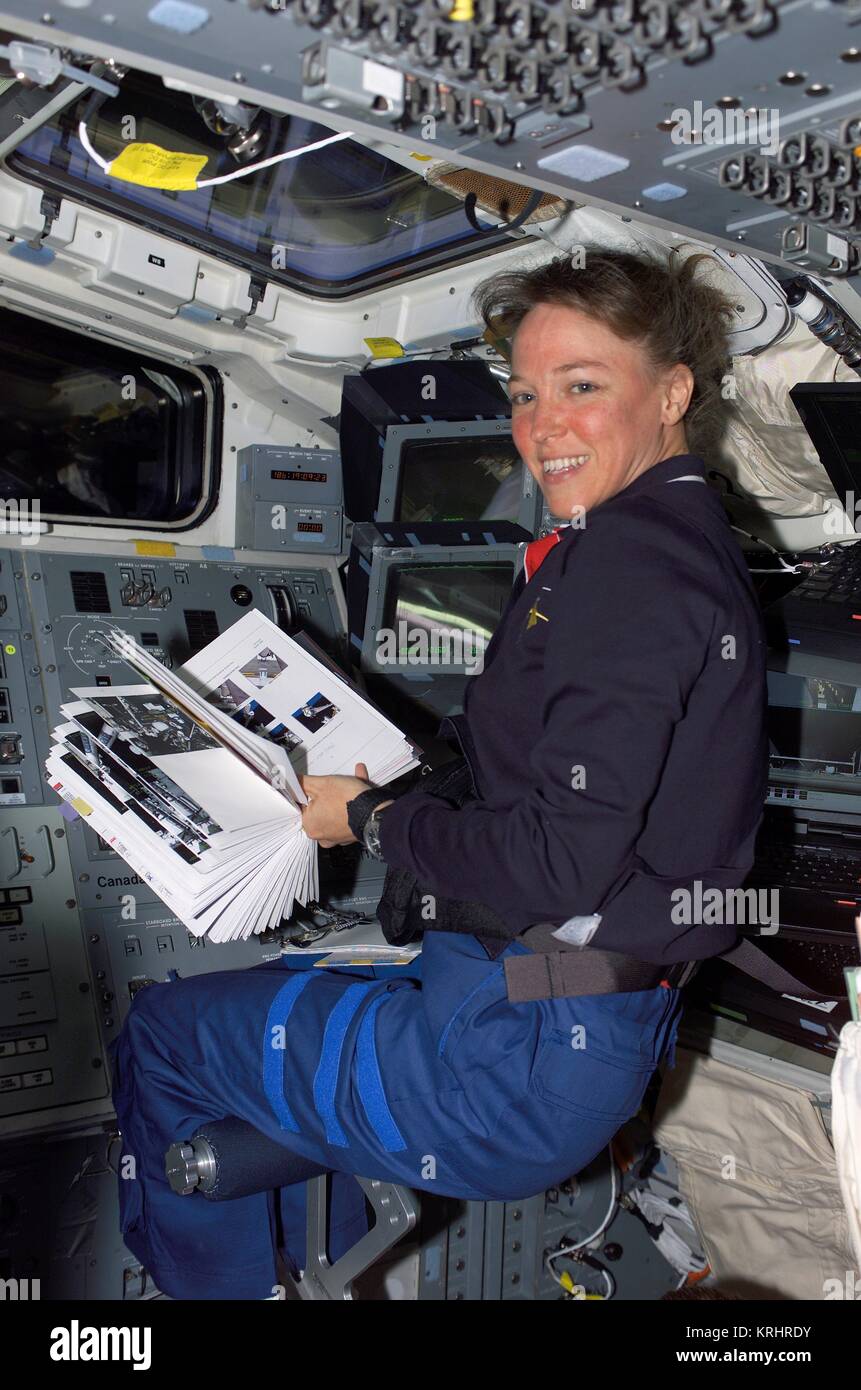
x=534, y=615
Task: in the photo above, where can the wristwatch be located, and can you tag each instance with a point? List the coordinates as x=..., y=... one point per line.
x=372, y=834
x=363, y=819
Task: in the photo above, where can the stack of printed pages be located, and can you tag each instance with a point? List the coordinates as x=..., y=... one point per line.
x=192, y=778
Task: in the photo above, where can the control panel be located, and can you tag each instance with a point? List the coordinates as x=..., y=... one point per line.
x=50, y=1050
x=172, y=608
x=289, y=499
x=80, y=934
x=21, y=698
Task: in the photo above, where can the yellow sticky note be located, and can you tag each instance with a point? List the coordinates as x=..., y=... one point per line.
x=155, y=548
x=81, y=806
x=385, y=347
x=463, y=10
x=413, y=155
x=157, y=168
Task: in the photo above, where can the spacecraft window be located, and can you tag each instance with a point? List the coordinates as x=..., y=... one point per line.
x=98, y=432
x=335, y=221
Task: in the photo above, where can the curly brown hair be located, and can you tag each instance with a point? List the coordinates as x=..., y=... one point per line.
x=663, y=306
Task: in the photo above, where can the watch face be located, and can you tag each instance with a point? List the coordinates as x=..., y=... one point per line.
x=372, y=834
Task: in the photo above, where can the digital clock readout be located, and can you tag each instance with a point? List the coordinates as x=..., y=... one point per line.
x=284, y=475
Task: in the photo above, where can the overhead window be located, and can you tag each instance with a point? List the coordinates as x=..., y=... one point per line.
x=334, y=221
x=101, y=433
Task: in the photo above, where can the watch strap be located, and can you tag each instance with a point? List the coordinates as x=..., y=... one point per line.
x=360, y=808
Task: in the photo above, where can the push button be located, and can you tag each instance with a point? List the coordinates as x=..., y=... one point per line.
x=37, y=1078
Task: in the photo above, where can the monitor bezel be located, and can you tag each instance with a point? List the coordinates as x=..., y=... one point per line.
x=531, y=499
x=384, y=559
x=808, y=398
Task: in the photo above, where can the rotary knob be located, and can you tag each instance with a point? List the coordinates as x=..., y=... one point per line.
x=189, y=1166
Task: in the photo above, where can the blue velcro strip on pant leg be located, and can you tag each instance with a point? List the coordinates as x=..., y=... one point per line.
x=326, y=1078
x=370, y=1083
x=273, y=1057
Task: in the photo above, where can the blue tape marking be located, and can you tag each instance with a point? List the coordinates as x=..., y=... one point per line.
x=217, y=552
x=664, y=192
x=326, y=1078
x=41, y=255
x=489, y=537
x=413, y=538
x=197, y=313
x=273, y=1057
x=179, y=15
x=370, y=1083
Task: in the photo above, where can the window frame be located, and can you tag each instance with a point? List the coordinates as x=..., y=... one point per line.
x=209, y=437
x=400, y=272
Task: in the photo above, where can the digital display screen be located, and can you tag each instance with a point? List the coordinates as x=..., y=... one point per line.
x=841, y=418
x=293, y=475
x=814, y=729
x=476, y=479
x=316, y=526
x=445, y=613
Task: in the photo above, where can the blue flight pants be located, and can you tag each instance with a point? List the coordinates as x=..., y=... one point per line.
x=434, y=1080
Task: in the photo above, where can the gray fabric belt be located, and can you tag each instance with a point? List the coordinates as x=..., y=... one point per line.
x=586, y=970
x=564, y=974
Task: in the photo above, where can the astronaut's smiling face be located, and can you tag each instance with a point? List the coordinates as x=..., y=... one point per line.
x=589, y=413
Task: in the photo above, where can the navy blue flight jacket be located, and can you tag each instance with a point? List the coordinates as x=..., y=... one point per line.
x=616, y=735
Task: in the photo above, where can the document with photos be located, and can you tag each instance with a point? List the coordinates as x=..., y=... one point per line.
x=194, y=777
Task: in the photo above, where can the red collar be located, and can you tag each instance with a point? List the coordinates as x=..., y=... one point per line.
x=537, y=551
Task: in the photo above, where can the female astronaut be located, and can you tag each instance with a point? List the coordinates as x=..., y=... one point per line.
x=616, y=744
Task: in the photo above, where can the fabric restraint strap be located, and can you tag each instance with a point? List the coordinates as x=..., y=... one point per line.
x=567, y=974
x=759, y=966
x=328, y=1070
x=274, y=1046
x=370, y=1082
